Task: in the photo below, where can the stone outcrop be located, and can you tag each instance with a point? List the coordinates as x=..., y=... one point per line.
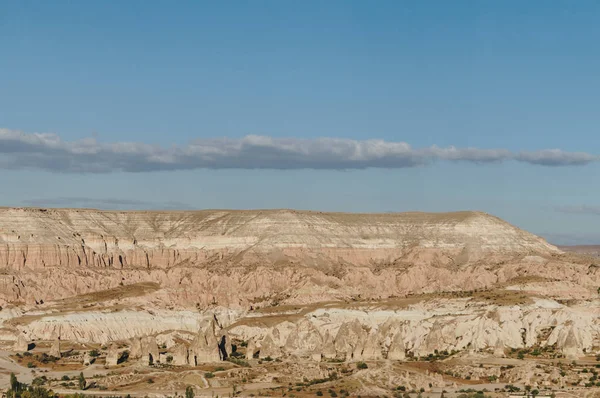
x=22, y=344
x=426, y=328
x=149, y=353
x=88, y=359
x=55, y=349
x=268, y=348
x=181, y=355
x=350, y=341
x=135, y=348
x=224, y=345
x=305, y=341
x=251, y=349
x=113, y=355
x=328, y=351
x=205, y=347
x=397, y=350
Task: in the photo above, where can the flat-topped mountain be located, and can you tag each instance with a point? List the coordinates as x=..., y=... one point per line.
x=293, y=287
x=34, y=238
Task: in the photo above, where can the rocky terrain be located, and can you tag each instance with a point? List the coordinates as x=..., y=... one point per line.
x=263, y=300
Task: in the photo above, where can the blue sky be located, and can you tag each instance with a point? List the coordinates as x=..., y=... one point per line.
x=507, y=79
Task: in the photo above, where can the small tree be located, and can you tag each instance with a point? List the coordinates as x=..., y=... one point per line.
x=14, y=383
x=82, y=382
x=189, y=392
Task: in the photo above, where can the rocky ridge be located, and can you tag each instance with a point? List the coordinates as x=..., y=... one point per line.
x=289, y=284
x=233, y=258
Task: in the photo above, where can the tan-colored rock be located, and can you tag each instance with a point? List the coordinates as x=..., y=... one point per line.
x=205, y=347
x=350, y=341
x=397, y=349
x=149, y=350
x=304, y=341
x=251, y=349
x=180, y=355
x=22, y=344
x=328, y=347
x=224, y=344
x=135, y=348
x=571, y=347
x=35, y=240
x=269, y=349
x=113, y=355
x=372, y=348
x=55, y=349
x=88, y=359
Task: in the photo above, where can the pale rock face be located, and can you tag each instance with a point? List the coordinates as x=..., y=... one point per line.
x=269, y=349
x=180, y=355
x=305, y=341
x=224, y=344
x=87, y=359
x=113, y=355
x=55, y=349
x=251, y=349
x=329, y=351
x=149, y=350
x=135, y=348
x=372, y=348
x=205, y=347
x=103, y=327
x=350, y=341
x=571, y=346
x=422, y=329
x=397, y=351
x=22, y=344
x=134, y=247
x=230, y=260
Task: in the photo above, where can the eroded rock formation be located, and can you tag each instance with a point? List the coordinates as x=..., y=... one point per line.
x=207, y=273
x=22, y=344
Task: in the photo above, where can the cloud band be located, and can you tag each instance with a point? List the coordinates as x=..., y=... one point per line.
x=49, y=152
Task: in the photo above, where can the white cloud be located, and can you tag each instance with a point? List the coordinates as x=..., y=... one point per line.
x=49, y=152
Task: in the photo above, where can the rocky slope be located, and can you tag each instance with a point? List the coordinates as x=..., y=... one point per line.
x=236, y=257
x=300, y=295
